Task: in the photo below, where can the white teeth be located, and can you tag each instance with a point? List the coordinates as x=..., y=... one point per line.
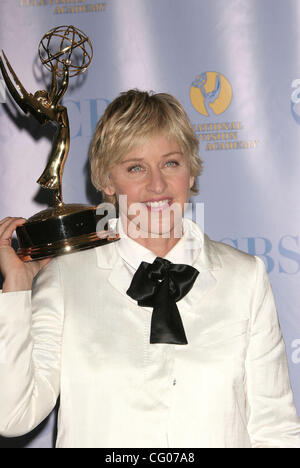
x=157, y=204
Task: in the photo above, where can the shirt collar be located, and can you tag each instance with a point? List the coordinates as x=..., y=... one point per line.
x=185, y=251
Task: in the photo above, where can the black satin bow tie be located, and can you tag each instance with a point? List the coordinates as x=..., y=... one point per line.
x=160, y=285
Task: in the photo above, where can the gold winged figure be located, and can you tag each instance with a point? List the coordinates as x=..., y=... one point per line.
x=45, y=107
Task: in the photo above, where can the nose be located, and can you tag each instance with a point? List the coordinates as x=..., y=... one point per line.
x=156, y=181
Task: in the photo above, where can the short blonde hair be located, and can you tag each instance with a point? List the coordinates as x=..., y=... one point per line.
x=128, y=121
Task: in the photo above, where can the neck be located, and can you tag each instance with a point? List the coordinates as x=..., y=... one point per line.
x=158, y=244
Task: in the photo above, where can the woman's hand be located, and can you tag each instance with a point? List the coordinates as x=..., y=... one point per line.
x=18, y=276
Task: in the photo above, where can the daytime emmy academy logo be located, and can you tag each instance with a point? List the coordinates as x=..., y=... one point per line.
x=61, y=7
x=210, y=93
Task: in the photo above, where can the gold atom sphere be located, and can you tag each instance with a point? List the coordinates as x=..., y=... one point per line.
x=66, y=45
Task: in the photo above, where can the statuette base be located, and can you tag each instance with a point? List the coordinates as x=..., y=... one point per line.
x=61, y=230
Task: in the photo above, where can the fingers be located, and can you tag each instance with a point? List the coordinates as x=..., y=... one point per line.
x=8, y=226
x=9, y=219
x=5, y=220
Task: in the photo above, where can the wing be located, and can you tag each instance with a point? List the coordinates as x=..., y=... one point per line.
x=27, y=102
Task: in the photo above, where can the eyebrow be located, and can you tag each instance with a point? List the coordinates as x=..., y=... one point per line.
x=141, y=159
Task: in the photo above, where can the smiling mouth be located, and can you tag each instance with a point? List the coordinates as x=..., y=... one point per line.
x=158, y=205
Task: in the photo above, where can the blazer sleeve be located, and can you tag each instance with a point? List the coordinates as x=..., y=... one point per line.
x=31, y=325
x=272, y=417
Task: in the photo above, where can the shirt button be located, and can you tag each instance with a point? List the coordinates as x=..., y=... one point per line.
x=174, y=382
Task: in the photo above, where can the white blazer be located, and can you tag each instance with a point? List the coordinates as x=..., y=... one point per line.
x=79, y=335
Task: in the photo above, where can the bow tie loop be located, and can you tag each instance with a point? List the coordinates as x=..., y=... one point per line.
x=160, y=285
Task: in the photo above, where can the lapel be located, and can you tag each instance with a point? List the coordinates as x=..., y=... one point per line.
x=119, y=276
x=206, y=263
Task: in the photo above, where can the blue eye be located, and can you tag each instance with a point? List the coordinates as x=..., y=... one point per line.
x=135, y=168
x=172, y=164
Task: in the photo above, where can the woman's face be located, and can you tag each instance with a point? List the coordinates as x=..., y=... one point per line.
x=156, y=176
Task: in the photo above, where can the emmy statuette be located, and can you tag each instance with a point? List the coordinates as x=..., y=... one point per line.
x=63, y=228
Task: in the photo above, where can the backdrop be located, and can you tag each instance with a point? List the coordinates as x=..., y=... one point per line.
x=235, y=67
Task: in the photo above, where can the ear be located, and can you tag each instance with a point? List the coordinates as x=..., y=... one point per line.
x=110, y=188
x=192, y=180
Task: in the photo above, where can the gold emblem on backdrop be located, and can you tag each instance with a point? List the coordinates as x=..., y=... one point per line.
x=211, y=95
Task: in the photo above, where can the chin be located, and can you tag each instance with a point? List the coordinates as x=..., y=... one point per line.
x=165, y=231
x=155, y=224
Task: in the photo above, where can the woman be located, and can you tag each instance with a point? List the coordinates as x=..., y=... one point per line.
x=161, y=339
